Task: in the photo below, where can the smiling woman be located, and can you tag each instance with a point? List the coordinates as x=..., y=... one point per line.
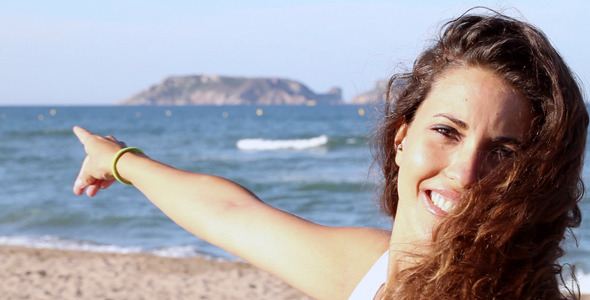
x=470, y=122
x=481, y=152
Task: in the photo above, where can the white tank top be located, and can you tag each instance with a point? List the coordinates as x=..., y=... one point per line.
x=373, y=280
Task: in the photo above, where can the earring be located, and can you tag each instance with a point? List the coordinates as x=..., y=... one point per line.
x=400, y=147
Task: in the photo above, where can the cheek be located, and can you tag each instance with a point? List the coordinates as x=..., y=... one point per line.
x=420, y=155
x=420, y=160
x=411, y=166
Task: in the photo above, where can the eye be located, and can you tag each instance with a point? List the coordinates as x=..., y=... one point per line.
x=446, y=131
x=502, y=152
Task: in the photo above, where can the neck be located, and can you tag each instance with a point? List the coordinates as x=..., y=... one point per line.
x=405, y=249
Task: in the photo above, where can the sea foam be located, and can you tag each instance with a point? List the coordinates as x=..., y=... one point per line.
x=51, y=242
x=296, y=144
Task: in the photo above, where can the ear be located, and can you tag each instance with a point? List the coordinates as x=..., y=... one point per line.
x=400, y=138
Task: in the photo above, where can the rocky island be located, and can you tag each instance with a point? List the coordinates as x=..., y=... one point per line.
x=377, y=94
x=221, y=90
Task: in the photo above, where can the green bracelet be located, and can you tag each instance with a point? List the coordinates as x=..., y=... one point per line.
x=117, y=156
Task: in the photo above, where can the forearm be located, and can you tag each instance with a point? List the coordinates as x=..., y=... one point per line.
x=200, y=203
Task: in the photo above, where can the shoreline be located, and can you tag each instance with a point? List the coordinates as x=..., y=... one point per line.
x=38, y=273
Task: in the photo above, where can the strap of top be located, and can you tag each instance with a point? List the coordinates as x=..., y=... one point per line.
x=373, y=280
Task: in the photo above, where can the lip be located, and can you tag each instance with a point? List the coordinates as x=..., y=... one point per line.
x=435, y=210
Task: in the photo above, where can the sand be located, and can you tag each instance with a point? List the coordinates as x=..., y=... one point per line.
x=38, y=274
x=28, y=273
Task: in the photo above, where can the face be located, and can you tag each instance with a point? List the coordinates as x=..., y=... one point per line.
x=468, y=124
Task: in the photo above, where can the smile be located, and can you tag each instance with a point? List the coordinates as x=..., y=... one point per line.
x=439, y=204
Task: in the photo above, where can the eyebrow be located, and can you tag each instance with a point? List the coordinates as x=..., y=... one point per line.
x=464, y=126
x=457, y=122
x=507, y=140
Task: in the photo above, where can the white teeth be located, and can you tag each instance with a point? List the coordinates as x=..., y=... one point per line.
x=442, y=203
x=448, y=206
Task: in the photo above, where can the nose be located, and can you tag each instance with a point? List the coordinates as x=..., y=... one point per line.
x=465, y=167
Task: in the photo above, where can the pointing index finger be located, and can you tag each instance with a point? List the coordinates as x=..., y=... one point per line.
x=81, y=133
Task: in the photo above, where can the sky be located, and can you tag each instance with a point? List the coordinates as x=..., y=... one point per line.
x=93, y=52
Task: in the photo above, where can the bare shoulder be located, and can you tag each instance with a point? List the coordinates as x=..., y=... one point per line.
x=354, y=251
x=322, y=261
x=361, y=247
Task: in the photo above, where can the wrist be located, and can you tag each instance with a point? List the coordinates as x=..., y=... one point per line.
x=116, y=159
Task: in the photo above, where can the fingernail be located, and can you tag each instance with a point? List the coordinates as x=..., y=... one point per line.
x=78, y=182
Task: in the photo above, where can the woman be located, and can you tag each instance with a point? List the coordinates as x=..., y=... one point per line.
x=481, y=150
x=506, y=202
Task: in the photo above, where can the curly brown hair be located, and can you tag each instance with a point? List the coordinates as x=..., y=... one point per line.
x=503, y=239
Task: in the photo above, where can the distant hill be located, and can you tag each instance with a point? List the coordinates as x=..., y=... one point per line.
x=377, y=94
x=221, y=90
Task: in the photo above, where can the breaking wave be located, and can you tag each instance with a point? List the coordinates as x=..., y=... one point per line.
x=297, y=144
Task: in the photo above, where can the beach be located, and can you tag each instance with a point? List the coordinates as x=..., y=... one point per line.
x=30, y=273
x=35, y=273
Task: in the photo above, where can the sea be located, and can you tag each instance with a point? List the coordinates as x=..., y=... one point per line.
x=313, y=161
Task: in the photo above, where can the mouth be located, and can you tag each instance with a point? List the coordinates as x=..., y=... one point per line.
x=438, y=204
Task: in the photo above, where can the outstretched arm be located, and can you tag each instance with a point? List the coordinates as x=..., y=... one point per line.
x=323, y=262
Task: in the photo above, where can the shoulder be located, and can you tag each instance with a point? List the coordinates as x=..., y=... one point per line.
x=360, y=249
x=329, y=262
x=373, y=280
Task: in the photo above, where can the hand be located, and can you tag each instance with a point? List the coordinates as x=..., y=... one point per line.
x=95, y=173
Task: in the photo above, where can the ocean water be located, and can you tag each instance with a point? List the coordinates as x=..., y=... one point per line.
x=310, y=161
